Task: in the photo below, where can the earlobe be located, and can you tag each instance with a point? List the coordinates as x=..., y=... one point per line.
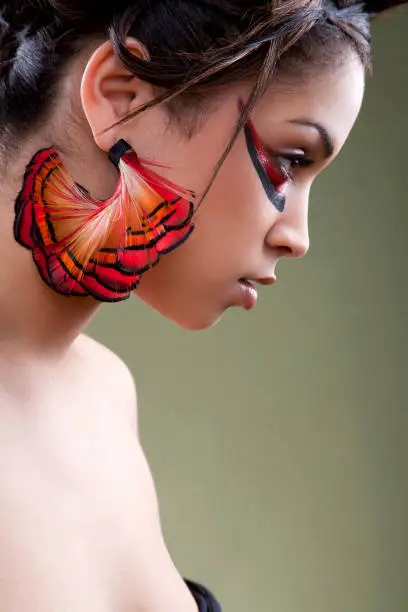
x=109, y=91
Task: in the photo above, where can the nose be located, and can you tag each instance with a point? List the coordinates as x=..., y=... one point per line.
x=290, y=231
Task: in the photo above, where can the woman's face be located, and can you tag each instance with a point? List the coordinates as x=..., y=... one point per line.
x=244, y=226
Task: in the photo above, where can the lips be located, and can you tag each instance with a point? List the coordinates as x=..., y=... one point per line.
x=270, y=280
x=249, y=295
x=246, y=294
x=246, y=283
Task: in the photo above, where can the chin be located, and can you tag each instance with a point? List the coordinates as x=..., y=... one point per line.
x=196, y=323
x=190, y=312
x=191, y=321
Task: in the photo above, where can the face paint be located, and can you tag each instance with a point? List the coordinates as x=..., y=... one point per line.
x=274, y=180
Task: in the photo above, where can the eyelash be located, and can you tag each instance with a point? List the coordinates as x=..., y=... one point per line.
x=295, y=161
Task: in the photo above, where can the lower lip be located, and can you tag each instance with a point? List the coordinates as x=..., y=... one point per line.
x=249, y=295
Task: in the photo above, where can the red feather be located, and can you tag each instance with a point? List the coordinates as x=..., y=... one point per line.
x=83, y=246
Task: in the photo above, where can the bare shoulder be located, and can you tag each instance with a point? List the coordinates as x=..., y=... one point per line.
x=101, y=355
x=111, y=369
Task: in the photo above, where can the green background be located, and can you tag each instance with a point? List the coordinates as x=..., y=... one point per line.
x=278, y=440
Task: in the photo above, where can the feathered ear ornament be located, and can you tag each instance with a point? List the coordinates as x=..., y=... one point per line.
x=87, y=247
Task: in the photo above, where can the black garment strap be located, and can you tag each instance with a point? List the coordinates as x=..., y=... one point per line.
x=118, y=151
x=204, y=598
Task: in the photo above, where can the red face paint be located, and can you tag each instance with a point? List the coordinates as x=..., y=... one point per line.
x=273, y=178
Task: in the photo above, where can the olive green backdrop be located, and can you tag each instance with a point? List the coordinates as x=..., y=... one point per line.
x=278, y=439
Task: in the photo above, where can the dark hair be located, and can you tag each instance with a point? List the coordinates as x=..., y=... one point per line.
x=194, y=45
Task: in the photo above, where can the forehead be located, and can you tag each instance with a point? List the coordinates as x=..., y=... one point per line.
x=331, y=98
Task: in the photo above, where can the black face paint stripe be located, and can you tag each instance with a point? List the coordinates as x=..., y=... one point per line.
x=276, y=198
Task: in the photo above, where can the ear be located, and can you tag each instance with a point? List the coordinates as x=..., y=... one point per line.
x=109, y=91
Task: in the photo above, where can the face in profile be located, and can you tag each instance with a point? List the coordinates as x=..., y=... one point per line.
x=257, y=209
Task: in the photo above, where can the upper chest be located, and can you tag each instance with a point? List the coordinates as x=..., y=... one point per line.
x=78, y=507
x=76, y=458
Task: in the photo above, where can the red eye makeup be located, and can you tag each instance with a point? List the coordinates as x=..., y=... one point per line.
x=274, y=178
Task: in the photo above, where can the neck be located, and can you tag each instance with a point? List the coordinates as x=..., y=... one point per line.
x=33, y=318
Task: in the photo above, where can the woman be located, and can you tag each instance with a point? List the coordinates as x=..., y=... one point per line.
x=165, y=147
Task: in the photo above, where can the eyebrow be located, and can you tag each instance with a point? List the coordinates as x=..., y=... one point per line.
x=327, y=140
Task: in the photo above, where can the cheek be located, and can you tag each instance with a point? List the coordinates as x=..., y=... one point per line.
x=231, y=226
x=192, y=284
x=189, y=163
x=232, y=222
x=228, y=240
x=241, y=201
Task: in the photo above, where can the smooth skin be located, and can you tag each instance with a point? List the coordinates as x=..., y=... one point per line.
x=79, y=520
